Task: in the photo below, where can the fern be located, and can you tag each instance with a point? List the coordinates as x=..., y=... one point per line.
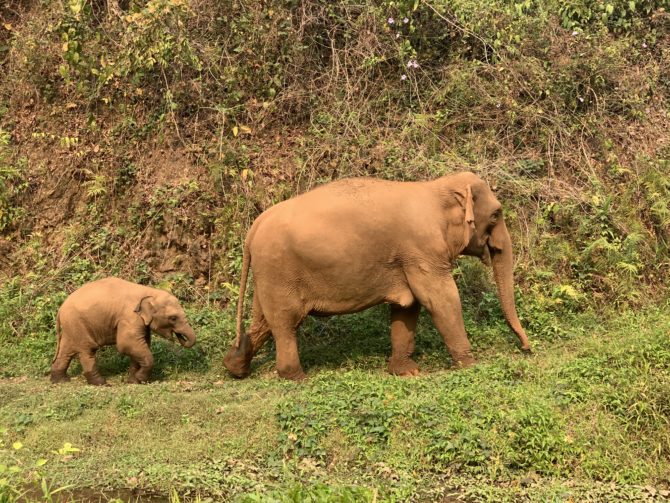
x=96, y=186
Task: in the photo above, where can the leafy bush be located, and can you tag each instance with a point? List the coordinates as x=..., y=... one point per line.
x=538, y=440
x=617, y=15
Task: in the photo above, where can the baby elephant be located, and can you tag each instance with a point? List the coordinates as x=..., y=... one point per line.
x=113, y=311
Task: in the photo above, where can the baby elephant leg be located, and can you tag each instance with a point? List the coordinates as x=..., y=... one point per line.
x=134, y=340
x=61, y=363
x=140, y=368
x=90, y=367
x=142, y=361
x=136, y=364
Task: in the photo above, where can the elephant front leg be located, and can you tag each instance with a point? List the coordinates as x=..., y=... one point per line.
x=141, y=363
x=140, y=367
x=440, y=296
x=136, y=364
x=403, y=330
x=135, y=343
x=132, y=370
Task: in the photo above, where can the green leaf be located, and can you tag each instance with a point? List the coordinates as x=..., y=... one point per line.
x=66, y=449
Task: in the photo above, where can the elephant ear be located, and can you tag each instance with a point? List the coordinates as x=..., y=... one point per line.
x=464, y=198
x=146, y=309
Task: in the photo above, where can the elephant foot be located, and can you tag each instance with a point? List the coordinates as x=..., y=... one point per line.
x=527, y=350
x=463, y=361
x=59, y=377
x=133, y=379
x=293, y=375
x=95, y=379
x=404, y=368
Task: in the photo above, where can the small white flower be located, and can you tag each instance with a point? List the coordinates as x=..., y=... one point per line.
x=497, y=105
x=581, y=100
x=405, y=21
x=644, y=45
x=575, y=33
x=391, y=20
x=397, y=35
x=403, y=77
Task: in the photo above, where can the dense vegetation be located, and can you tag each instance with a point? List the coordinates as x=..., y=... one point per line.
x=141, y=137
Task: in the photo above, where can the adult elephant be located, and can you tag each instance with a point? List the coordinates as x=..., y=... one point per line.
x=355, y=243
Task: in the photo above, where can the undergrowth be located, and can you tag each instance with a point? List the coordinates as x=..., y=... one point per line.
x=584, y=418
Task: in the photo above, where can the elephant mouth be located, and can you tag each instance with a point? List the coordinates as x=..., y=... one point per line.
x=181, y=337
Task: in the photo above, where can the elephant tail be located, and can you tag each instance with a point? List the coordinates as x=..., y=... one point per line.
x=246, y=260
x=58, y=337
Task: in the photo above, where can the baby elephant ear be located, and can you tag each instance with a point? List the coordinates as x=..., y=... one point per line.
x=146, y=310
x=465, y=200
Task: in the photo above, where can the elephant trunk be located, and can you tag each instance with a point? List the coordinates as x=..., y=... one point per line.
x=503, y=265
x=185, y=336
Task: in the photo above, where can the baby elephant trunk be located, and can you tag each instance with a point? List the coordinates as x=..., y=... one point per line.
x=185, y=336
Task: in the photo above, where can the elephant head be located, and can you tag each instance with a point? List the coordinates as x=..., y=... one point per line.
x=162, y=312
x=489, y=238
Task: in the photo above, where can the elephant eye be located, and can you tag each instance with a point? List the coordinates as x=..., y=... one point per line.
x=172, y=318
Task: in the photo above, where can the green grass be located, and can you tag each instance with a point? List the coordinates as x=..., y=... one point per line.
x=586, y=416
x=144, y=144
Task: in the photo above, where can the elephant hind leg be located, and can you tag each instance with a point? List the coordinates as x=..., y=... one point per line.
x=403, y=330
x=288, y=360
x=238, y=360
x=284, y=321
x=90, y=367
x=61, y=363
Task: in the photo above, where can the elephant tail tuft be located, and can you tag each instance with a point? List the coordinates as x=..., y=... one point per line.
x=246, y=260
x=58, y=336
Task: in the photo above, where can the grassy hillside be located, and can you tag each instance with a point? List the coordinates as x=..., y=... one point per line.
x=585, y=419
x=140, y=138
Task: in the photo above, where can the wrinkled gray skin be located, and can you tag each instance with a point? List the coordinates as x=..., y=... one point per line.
x=113, y=311
x=354, y=243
